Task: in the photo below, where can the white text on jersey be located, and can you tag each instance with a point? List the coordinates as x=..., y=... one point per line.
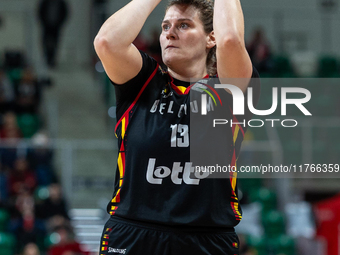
x=162, y=172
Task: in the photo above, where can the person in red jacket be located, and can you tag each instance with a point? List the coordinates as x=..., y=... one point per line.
x=67, y=245
x=21, y=178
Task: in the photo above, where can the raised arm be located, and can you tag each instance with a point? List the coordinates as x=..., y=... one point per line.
x=233, y=60
x=113, y=43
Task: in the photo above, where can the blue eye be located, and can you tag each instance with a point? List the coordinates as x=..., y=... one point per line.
x=165, y=27
x=184, y=25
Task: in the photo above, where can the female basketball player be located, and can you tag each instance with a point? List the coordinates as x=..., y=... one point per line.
x=160, y=206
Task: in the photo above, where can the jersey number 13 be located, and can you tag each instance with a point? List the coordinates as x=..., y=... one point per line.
x=179, y=135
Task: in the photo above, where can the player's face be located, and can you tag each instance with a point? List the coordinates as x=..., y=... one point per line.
x=183, y=38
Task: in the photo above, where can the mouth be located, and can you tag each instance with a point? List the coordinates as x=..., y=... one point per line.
x=170, y=47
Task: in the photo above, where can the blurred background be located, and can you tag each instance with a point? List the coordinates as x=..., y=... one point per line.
x=57, y=145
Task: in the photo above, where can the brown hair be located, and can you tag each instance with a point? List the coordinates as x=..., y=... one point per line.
x=206, y=12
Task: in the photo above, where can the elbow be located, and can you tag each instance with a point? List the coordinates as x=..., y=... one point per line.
x=231, y=42
x=104, y=45
x=100, y=44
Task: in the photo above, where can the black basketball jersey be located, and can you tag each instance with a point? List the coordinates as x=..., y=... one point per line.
x=155, y=180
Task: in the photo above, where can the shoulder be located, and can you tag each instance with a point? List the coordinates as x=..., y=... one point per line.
x=150, y=76
x=149, y=65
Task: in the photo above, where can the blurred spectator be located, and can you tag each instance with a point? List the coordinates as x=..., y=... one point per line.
x=3, y=185
x=56, y=222
x=40, y=158
x=24, y=201
x=21, y=178
x=6, y=93
x=67, y=244
x=259, y=51
x=54, y=205
x=52, y=14
x=31, y=249
x=9, y=128
x=27, y=93
x=9, y=154
x=27, y=228
x=10, y=131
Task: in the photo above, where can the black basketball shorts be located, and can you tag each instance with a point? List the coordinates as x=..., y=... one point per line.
x=122, y=236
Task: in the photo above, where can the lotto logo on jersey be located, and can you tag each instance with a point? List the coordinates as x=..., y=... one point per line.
x=178, y=173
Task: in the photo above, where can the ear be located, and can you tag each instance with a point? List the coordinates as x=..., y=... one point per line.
x=211, y=42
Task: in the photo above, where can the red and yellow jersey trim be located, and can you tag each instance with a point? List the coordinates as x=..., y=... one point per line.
x=238, y=133
x=126, y=113
x=180, y=90
x=124, y=122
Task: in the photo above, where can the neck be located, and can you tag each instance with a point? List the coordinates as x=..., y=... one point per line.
x=188, y=72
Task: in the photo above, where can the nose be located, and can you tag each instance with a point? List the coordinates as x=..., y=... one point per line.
x=171, y=33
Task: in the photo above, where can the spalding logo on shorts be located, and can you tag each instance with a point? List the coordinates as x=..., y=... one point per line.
x=156, y=175
x=115, y=250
